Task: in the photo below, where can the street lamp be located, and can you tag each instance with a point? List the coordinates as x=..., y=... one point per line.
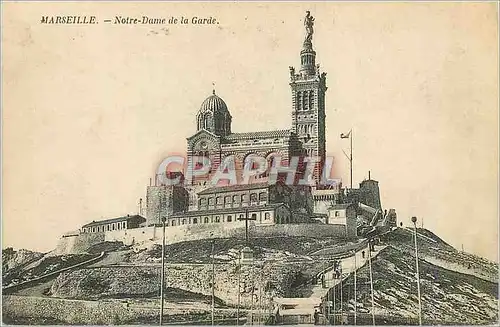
x=414, y=221
x=213, y=281
x=239, y=295
x=162, y=283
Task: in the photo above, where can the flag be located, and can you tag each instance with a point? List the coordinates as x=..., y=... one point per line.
x=345, y=136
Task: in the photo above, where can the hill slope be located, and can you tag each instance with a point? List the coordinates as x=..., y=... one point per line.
x=456, y=287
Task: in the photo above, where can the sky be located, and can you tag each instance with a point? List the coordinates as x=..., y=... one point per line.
x=90, y=111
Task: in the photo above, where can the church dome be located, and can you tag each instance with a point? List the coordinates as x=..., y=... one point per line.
x=213, y=104
x=214, y=116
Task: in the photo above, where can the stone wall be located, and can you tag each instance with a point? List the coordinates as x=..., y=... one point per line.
x=143, y=281
x=176, y=234
x=78, y=312
x=163, y=201
x=78, y=243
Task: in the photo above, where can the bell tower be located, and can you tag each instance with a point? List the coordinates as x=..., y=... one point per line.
x=308, y=100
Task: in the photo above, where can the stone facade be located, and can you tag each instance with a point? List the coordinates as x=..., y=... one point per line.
x=268, y=214
x=325, y=198
x=164, y=201
x=370, y=194
x=344, y=214
x=238, y=196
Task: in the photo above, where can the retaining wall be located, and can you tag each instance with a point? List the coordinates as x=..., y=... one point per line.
x=176, y=234
x=78, y=312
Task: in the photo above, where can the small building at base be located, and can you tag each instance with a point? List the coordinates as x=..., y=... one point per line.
x=344, y=214
x=119, y=223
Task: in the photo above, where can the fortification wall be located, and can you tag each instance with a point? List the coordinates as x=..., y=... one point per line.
x=184, y=233
x=77, y=243
x=176, y=234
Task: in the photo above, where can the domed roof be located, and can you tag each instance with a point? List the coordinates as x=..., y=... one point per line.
x=213, y=104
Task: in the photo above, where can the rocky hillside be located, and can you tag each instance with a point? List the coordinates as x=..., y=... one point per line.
x=456, y=287
x=12, y=259
x=27, y=265
x=457, y=291
x=280, y=266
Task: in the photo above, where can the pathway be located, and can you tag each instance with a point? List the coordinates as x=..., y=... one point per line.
x=34, y=281
x=315, y=294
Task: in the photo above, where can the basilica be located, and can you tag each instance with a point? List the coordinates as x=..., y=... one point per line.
x=306, y=137
x=266, y=200
x=215, y=139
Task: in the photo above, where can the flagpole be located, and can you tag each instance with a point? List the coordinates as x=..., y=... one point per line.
x=351, y=156
x=355, y=297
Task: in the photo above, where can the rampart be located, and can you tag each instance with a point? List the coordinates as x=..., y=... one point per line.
x=176, y=234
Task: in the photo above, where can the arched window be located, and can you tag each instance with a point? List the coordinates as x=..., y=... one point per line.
x=218, y=200
x=229, y=218
x=195, y=220
x=208, y=121
x=206, y=220
x=184, y=221
x=262, y=196
x=242, y=216
x=173, y=222
x=210, y=201
x=227, y=201
x=267, y=216
x=254, y=216
x=253, y=197
x=236, y=199
x=243, y=198
x=200, y=122
x=217, y=219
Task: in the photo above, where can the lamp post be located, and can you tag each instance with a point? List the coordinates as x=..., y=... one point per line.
x=213, y=281
x=414, y=221
x=371, y=280
x=355, y=297
x=239, y=290
x=162, y=282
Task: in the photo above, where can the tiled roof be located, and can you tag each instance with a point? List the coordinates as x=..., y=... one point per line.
x=259, y=135
x=226, y=210
x=230, y=188
x=113, y=220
